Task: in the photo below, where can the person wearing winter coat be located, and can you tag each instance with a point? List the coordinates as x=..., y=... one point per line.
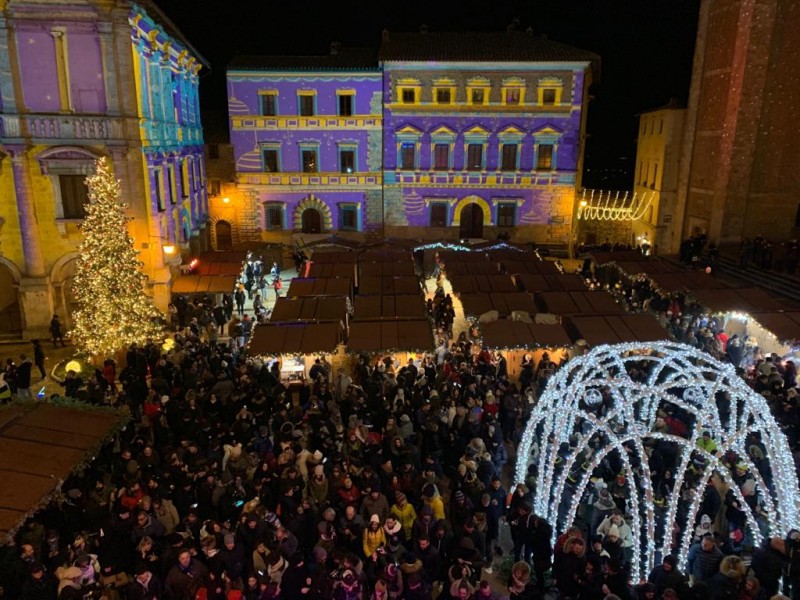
x=727, y=583
x=569, y=563
x=704, y=559
x=667, y=575
x=768, y=563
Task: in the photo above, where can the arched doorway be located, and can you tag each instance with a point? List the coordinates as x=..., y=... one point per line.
x=10, y=317
x=471, y=225
x=311, y=221
x=222, y=229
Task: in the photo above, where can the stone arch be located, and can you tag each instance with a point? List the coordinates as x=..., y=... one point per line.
x=61, y=276
x=487, y=210
x=67, y=159
x=234, y=231
x=311, y=201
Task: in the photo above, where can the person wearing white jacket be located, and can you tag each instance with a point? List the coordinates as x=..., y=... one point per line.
x=625, y=534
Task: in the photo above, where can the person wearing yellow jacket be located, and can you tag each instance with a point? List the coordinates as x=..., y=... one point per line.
x=374, y=538
x=432, y=498
x=404, y=512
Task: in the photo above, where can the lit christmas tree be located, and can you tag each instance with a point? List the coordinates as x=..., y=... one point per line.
x=109, y=286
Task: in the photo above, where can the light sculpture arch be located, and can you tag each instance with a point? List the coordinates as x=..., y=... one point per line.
x=604, y=403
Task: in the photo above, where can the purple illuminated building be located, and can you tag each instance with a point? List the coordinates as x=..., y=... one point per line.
x=436, y=136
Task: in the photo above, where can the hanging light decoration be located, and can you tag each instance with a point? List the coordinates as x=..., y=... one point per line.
x=594, y=408
x=600, y=205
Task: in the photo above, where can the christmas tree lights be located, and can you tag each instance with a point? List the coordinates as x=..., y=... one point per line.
x=594, y=407
x=114, y=310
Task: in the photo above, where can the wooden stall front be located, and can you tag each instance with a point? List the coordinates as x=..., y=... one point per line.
x=294, y=345
x=515, y=339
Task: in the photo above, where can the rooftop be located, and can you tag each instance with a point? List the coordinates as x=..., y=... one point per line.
x=343, y=59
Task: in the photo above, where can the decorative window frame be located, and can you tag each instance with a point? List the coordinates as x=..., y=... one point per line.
x=270, y=146
x=65, y=160
x=446, y=84
x=546, y=135
x=346, y=92
x=549, y=83
x=304, y=147
x=275, y=204
x=341, y=206
x=305, y=93
x=352, y=146
x=268, y=92
x=407, y=135
x=498, y=200
x=449, y=203
x=443, y=135
x=476, y=135
x=409, y=83
x=511, y=135
x=512, y=83
x=479, y=83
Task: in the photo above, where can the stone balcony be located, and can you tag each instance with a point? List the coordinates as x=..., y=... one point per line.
x=480, y=178
x=73, y=128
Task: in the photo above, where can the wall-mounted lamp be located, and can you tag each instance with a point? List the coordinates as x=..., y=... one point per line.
x=226, y=199
x=169, y=249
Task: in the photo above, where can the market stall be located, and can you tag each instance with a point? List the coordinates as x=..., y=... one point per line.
x=389, y=307
x=387, y=269
x=455, y=269
x=401, y=339
x=204, y=284
x=327, y=270
x=611, y=329
x=515, y=339
x=578, y=303
x=323, y=286
x=505, y=303
x=310, y=309
x=490, y=284
x=389, y=285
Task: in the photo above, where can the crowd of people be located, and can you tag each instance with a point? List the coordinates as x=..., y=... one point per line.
x=387, y=482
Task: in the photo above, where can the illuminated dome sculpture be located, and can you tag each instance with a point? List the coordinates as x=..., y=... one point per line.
x=602, y=408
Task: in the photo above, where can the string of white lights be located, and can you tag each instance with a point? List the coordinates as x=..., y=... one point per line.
x=601, y=205
x=595, y=398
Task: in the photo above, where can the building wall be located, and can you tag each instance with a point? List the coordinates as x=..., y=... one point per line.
x=739, y=173
x=544, y=198
x=69, y=94
x=290, y=188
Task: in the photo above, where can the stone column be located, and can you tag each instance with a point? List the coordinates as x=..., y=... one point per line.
x=109, y=68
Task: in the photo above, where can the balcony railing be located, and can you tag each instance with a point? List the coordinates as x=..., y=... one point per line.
x=518, y=178
x=315, y=122
x=304, y=179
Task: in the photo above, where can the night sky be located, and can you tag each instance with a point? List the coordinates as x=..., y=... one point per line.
x=646, y=48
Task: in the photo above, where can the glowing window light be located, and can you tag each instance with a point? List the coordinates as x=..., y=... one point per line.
x=684, y=377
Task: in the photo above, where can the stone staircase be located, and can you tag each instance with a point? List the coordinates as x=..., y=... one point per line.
x=780, y=284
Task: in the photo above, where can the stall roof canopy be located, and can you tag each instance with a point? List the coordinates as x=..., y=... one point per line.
x=389, y=285
x=321, y=308
x=613, y=329
x=454, y=256
x=383, y=336
x=533, y=282
x=514, y=334
x=686, y=280
x=470, y=284
x=334, y=257
x=504, y=303
x=602, y=258
x=342, y=269
x=387, y=269
x=220, y=263
x=385, y=255
x=784, y=325
x=40, y=445
x=578, y=303
x=293, y=338
x=204, y=284
x=457, y=269
x=530, y=264
x=337, y=286
x=523, y=255
x=744, y=300
x=647, y=267
x=375, y=308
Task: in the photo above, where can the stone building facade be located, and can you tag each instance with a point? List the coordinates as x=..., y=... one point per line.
x=79, y=80
x=739, y=174
x=435, y=136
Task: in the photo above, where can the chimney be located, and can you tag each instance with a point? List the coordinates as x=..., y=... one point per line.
x=423, y=28
x=385, y=36
x=335, y=47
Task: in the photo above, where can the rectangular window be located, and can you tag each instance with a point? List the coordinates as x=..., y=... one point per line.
x=474, y=157
x=655, y=176
x=309, y=161
x=214, y=187
x=269, y=105
x=171, y=185
x=509, y=162
x=441, y=157
x=274, y=217
x=408, y=156
x=345, y=105
x=159, y=184
x=544, y=157
x=506, y=214
x=408, y=95
x=74, y=196
x=438, y=214
x=271, y=160
x=185, y=178
x=442, y=96
x=348, y=217
x=548, y=96
x=512, y=95
x=213, y=151
x=347, y=161
x=478, y=96
x=661, y=126
x=306, y=105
